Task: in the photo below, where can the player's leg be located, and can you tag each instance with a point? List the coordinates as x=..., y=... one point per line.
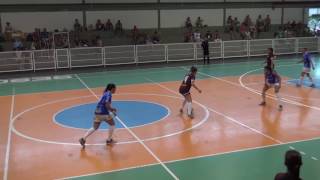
x=276, y=91
x=189, y=105
x=96, y=125
x=183, y=104
x=301, y=79
x=110, y=121
x=311, y=80
x=264, y=90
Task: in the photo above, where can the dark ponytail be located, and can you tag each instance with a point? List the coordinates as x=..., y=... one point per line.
x=109, y=87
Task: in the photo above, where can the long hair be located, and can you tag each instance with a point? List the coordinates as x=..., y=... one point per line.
x=109, y=87
x=293, y=161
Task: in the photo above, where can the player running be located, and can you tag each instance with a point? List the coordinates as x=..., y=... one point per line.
x=307, y=65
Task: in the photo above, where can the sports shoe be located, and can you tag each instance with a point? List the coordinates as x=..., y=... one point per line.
x=262, y=103
x=82, y=142
x=280, y=108
x=110, y=141
x=191, y=116
x=312, y=85
x=181, y=110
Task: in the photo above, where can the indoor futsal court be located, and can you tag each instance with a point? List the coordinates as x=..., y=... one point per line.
x=230, y=137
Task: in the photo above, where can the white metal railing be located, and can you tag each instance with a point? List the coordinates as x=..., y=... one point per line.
x=149, y=53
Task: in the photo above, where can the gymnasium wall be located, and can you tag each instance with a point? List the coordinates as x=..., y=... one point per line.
x=143, y=19
x=39, y=1
x=51, y=20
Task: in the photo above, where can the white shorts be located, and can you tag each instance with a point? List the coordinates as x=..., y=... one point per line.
x=273, y=85
x=100, y=117
x=306, y=70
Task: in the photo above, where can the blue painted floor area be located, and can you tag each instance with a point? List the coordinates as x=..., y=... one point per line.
x=305, y=82
x=132, y=113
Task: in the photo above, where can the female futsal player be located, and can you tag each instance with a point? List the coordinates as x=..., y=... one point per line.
x=272, y=80
x=104, y=112
x=184, y=89
x=270, y=58
x=307, y=65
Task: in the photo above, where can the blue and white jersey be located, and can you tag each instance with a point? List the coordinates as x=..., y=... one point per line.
x=306, y=60
x=101, y=106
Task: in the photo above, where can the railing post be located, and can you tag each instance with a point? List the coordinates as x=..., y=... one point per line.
x=136, y=54
x=248, y=48
x=297, y=45
x=33, y=61
x=222, y=49
x=55, y=59
x=273, y=46
x=166, y=53
x=69, y=59
x=103, y=51
x=195, y=51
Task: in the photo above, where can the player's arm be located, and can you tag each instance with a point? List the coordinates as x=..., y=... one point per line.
x=195, y=86
x=108, y=105
x=312, y=64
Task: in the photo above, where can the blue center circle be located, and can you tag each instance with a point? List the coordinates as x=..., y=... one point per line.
x=132, y=113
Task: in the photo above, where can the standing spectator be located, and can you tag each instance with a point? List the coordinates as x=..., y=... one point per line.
x=199, y=22
x=188, y=36
x=44, y=37
x=77, y=29
x=236, y=23
x=188, y=23
x=118, y=28
x=205, y=48
x=267, y=23
x=155, y=37
x=109, y=25
x=135, y=34
x=260, y=24
x=247, y=21
x=229, y=24
x=8, y=30
x=99, y=25
x=293, y=161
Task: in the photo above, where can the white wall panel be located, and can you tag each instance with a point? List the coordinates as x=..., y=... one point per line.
x=39, y=1
x=121, y=1
x=293, y=14
x=176, y=18
x=50, y=20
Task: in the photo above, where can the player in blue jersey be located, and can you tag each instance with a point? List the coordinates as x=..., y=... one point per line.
x=272, y=80
x=307, y=65
x=270, y=58
x=103, y=112
x=185, y=88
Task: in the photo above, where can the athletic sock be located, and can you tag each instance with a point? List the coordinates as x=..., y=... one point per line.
x=89, y=132
x=111, y=129
x=189, y=108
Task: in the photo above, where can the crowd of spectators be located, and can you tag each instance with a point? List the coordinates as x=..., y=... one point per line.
x=193, y=32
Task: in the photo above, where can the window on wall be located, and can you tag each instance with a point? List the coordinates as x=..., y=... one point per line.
x=314, y=23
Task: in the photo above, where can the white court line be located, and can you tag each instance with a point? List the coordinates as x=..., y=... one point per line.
x=314, y=158
x=193, y=157
x=221, y=114
x=7, y=156
x=134, y=135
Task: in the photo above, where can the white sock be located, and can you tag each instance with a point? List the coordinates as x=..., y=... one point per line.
x=301, y=80
x=184, y=104
x=89, y=132
x=189, y=108
x=111, y=129
x=310, y=78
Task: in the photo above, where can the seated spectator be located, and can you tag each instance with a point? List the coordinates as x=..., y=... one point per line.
x=293, y=162
x=244, y=32
x=229, y=24
x=99, y=25
x=236, y=24
x=294, y=25
x=188, y=36
x=199, y=22
x=188, y=23
x=8, y=30
x=253, y=32
x=288, y=26
x=109, y=25
x=216, y=36
x=279, y=33
x=197, y=36
x=118, y=28
x=267, y=23
x=17, y=45
x=1, y=36
x=209, y=35
x=155, y=37
x=99, y=42
x=260, y=24
x=44, y=37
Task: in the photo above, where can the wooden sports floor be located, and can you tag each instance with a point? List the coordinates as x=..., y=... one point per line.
x=230, y=138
